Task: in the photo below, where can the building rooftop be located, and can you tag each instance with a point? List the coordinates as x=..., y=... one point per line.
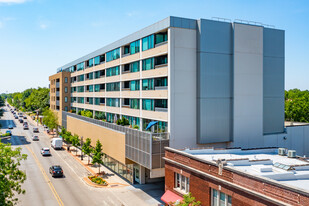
x=264, y=163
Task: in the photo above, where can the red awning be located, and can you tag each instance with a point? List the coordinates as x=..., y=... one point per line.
x=169, y=197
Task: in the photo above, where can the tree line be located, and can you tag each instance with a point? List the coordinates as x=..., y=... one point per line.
x=29, y=100
x=297, y=105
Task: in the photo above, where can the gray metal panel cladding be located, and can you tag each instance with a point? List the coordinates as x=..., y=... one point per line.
x=273, y=80
x=170, y=21
x=215, y=81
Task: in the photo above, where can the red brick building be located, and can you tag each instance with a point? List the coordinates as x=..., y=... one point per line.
x=237, y=177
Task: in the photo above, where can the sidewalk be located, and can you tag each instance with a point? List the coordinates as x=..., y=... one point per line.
x=112, y=179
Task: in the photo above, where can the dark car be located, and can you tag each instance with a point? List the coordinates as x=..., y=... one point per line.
x=16, y=117
x=56, y=171
x=25, y=117
x=21, y=120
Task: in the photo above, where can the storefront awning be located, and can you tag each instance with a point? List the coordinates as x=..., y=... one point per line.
x=169, y=197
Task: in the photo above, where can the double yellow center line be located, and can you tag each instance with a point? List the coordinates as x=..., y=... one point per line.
x=46, y=178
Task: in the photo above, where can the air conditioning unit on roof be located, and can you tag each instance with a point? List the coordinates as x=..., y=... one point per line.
x=282, y=151
x=291, y=153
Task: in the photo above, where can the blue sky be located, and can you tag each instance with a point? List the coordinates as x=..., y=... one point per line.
x=38, y=36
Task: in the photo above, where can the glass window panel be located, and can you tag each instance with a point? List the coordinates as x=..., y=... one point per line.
x=222, y=199
x=229, y=200
x=97, y=60
x=148, y=64
x=214, y=201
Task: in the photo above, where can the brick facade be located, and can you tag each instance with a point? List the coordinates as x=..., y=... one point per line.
x=269, y=192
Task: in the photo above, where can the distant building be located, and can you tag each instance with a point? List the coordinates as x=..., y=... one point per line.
x=237, y=177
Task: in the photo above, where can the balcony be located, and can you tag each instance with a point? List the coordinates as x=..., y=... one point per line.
x=57, y=84
x=57, y=103
x=158, y=115
x=159, y=71
x=159, y=49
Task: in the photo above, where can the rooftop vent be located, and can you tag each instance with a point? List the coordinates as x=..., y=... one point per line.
x=291, y=153
x=282, y=151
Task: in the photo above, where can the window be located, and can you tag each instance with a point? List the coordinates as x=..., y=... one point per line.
x=148, y=42
x=90, y=88
x=80, y=89
x=126, y=49
x=65, y=89
x=65, y=79
x=148, y=64
x=126, y=102
x=90, y=100
x=113, y=86
x=73, y=89
x=147, y=84
x=73, y=99
x=89, y=63
x=132, y=67
x=65, y=99
x=80, y=66
x=161, y=60
x=80, y=78
x=89, y=76
x=132, y=120
x=99, y=87
x=80, y=100
x=134, y=85
x=148, y=104
x=72, y=69
x=161, y=37
x=160, y=82
x=134, y=103
x=134, y=47
x=161, y=103
x=220, y=199
x=112, y=55
x=112, y=71
x=182, y=183
x=66, y=109
x=98, y=101
x=99, y=59
x=112, y=102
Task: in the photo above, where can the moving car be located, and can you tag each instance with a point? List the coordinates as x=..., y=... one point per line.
x=10, y=126
x=21, y=120
x=35, y=138
x=26, y=126
x=25, y=117
x=25, y=123
x=8, y=132
x=35, y=129
x=56, y=143
x=56, y=171
x=16, y=117
x=45, y=151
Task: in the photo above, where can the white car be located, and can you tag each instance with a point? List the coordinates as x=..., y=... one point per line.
x=35, y=129
x=10, y=126
x=45, y=151
x=35, y=138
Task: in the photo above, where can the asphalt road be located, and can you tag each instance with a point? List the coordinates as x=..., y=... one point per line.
x=42, y=189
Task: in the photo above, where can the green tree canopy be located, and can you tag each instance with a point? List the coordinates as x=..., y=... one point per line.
x=97, y=154
x=11, y=177
x=87, y=148
x=50, y=119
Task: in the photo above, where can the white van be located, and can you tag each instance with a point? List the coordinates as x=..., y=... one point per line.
x=56, y=143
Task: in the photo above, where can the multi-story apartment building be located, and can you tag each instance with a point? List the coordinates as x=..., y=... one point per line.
x=200, y=81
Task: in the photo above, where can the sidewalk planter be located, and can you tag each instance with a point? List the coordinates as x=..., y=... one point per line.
x=98, y=180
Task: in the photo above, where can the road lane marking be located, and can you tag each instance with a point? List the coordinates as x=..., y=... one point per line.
x=46, y=178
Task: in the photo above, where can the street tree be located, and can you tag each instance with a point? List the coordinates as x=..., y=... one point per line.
x=97, y=154
x=188, y=200
x=87, y=148
x=50, y=119
x=75, y=142
x=11, y=177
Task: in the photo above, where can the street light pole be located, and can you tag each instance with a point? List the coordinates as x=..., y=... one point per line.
x=81, y=144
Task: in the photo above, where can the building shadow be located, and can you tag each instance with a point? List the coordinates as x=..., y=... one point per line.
x=5, y=123
x=22, y=140
x=155, y=190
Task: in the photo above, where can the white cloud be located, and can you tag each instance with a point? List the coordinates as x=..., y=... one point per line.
x=13, y=1
x=43, y=26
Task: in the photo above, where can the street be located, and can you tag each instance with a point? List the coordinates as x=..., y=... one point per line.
x=42, y=189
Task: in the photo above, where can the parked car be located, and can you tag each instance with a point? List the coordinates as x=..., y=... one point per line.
x=47, y=130
x=8, y=132
x=25, y=117
x=26, y=126
x=56, y=171
x=56, y=143
x=45, y=151
x=21, y=120
x=35, y=138
x=35, y=129
x=10, y=126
